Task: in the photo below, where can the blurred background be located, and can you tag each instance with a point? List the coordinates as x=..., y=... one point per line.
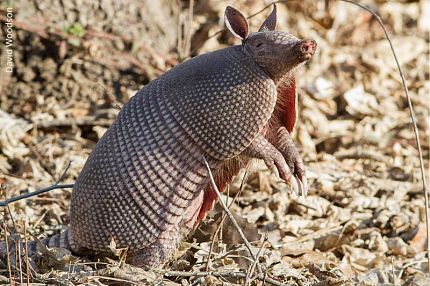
x=75, y=63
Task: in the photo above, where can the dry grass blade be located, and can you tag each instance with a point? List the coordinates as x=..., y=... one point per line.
x=228, y=274
x=252, y=267
x=7, y=253
x=414, y=122
x=226, y=209
x=27, y=260
x=189, y=28
x=353, y=131
x=242, y=185
x=43, y=190
x=19, y=261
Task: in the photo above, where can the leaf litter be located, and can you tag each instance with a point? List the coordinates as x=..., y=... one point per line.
x=363, y=221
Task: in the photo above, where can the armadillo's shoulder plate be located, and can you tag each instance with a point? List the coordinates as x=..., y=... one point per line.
x=222, y=100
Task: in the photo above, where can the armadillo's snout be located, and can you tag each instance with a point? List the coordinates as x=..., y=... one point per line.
x=307, y=48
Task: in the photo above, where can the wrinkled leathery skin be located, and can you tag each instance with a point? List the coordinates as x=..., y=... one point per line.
x=145, y=185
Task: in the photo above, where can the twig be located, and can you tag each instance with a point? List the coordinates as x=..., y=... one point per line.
x=399, y=276
x=249, y=17
x=4, y=188
x=27, y=261
x=45, y=31
x=414, y=122
x=189, y=28
x=63, y=175
x=83, y=121
x=252, y=268
x=208, y=263
x=111, y=279
x=228, y=274
x=242, y=184
x=115, y=102
x=18, y=247
x=6, y=202
x=393, y=272
x=226, y=209
x=35, y=193
x=7, y=253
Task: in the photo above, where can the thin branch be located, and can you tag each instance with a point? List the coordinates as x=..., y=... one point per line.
x=265, y=7
x=41, y=191
x=27, y=260
x=9, y=211
x=228, y=274
x=18, y=246
x=189, y=28
x=70, y=122
x=242, y=185
x=96, y=277
x=252, y=268
x=63, y=175
x=35, y=193
x=226, y=209
x=249, y=17
x=7, y=252
x=414, y=122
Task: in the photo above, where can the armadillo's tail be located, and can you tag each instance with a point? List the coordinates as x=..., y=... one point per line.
x=63, y=240
x=17, y=250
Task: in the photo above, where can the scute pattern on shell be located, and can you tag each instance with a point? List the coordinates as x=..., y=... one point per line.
x=140, y=177
x=147, y=169
x=225, y=100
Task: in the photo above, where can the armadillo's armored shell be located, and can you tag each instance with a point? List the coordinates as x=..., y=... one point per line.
x=138, y=180
x=222, y=100
x=141, y=178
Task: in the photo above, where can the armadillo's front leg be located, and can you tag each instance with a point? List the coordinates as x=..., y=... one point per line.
x=285, y=145
x=263, y=149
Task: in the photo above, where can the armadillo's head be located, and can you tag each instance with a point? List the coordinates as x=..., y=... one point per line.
x=276, y=52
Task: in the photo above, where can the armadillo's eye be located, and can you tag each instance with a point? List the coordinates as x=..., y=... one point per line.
x=259, y=45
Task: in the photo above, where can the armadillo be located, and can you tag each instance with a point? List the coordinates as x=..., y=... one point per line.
x=145, y=185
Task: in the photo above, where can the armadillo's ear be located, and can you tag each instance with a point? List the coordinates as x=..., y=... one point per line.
x=236, y=22
x=270, y=23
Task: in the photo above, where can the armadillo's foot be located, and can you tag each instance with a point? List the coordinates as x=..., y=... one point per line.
x=289, y=151
x=263, y=149
x=157, y=253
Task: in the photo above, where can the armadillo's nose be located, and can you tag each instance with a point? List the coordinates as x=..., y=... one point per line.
x=308, y=48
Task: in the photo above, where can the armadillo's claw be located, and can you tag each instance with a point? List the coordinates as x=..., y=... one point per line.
x=300, y=175
x=282, y=171
x=293, y=159
x=295, y=185
x=303, y=186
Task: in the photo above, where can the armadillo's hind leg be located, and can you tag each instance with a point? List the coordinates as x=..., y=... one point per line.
x=157, y=253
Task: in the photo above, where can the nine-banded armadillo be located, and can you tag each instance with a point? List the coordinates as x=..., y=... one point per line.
x=145, y=184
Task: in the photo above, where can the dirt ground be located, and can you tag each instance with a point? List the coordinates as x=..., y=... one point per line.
x=363, y=223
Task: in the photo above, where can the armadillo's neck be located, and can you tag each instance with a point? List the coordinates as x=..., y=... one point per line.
x=287, y=97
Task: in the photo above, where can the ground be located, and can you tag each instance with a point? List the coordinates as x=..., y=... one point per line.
x=363, y=223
